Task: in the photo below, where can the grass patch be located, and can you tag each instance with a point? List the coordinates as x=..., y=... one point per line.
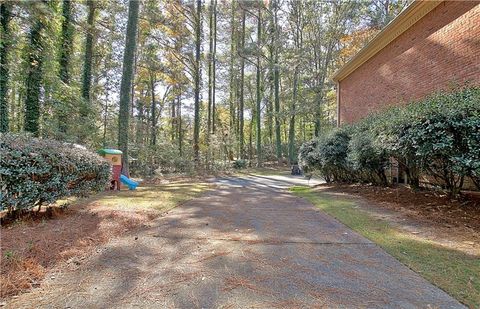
x=151, y=197
x=453, y=271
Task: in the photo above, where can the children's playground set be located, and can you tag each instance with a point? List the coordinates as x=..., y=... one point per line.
x=114, y=156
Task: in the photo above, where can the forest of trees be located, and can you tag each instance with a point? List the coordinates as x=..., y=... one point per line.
x=179, y=85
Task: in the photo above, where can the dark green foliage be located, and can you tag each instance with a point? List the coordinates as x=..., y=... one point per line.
x=333, y=152
x=445, y=135
x=438, y=136
x=34, y=172
x=367, y=159
x=308, y=156
x=5, y=16
x=34, y=78
x=328, y=155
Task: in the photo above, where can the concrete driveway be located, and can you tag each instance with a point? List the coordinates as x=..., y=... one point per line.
x=247, y=244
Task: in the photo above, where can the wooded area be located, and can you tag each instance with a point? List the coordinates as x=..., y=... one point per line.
x=179, y=85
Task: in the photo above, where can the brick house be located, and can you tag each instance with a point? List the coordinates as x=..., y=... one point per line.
x=430, y=46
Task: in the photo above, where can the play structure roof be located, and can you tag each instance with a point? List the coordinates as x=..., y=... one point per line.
x=109, y=151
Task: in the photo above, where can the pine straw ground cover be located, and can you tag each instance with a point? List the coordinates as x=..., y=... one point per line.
x=32, y=246
x=431, y=234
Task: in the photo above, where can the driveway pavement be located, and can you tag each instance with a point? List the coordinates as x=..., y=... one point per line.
x=247, y=244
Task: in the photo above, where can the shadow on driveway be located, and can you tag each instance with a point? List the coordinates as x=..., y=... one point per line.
x=248, y=244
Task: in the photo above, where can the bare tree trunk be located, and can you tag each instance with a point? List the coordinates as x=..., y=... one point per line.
x=291, y=133
x=276, y=81
x=214, y=64
x=242, y=99
x=210, y=80
x=34, y=79
x=196, y=127
x=179, y=119
x=259, y=94
x=173, y=117
x=232, y=94
x=153, y=115
x=140, y=119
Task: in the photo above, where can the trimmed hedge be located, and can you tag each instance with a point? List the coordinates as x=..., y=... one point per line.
x=438, y=136
x=34, y=172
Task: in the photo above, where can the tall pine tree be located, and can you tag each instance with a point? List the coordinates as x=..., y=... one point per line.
x=88, y=58
x=5, y=16
x=197, y=76
x=66, y=50
x=34, y=76
x=126, y=84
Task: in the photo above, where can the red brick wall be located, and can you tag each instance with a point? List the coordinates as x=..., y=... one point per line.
x=441, y=50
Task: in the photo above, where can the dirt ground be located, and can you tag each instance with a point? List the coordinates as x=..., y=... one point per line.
x=248, y=243
x=34, y=245
x=30, y=248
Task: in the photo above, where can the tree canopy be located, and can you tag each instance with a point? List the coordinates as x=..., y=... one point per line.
x=180, y=84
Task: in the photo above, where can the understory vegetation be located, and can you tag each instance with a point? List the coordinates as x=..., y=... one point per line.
x=180, y=86
x=437, y=137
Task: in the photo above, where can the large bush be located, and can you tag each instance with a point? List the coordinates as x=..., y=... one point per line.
x=333, y=152
x=438, y=136
x=368, y=160
x=309, y=156
x=444, y=134
x=34, y=172
x=328, y=155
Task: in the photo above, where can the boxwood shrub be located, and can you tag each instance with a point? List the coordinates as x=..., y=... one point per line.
x=438, y=136
x=35, y=172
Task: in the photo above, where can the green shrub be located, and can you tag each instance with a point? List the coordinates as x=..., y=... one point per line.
x=309, y=156
x=328, y=155
x=368, y=160
x=333, y=152
x=34, y=172
x=445, y=135
x=389, y=131
x=240, y=164
x=438, y=136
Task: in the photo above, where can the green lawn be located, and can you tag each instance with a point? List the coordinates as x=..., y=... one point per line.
x=453, y=271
